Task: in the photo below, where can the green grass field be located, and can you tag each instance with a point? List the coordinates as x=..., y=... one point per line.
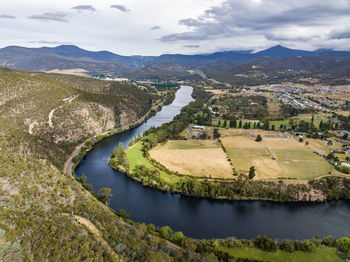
x=322, y=253
x=135, y=158
x=193, y=144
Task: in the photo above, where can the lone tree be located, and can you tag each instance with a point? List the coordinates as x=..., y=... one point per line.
x=216, y=133
x=258, y=138
x=251, y=172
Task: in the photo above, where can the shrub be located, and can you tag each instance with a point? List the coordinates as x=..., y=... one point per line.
x=258, y=138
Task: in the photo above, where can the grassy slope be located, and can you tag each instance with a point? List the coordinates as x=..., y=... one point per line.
x=135, y=158
x=323, y=253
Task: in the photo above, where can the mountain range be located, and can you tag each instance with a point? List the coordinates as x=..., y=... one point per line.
x=167, y=65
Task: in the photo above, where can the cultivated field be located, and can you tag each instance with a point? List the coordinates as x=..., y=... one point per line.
x=202, y=158
x=302, y=117
x=277, y=156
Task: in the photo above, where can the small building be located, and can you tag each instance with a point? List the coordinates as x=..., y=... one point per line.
x=345, y=164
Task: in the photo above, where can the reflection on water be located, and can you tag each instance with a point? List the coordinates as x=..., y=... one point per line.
x=203, y=218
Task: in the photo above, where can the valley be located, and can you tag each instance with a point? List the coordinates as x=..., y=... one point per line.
x=206, y=152
x=175, y=131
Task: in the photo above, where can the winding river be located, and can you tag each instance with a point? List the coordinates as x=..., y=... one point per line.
x=202, y=218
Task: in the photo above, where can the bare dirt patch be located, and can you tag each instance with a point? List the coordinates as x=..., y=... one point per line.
x=74, y=71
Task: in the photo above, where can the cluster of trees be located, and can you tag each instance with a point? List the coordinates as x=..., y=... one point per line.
x=251, y=107
x=234, y=123
x=333, y=187
x=104, y=194
x=212, y=246
x=216, y=133
x=307, y=245
x=345, y=122
x=204, y=117
x=118, y=158
x=166, y=86
x=343, y=169
x=242, y=188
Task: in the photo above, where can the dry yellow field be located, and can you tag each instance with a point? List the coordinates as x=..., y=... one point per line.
x=274, y=108
x=277, y=156
x=194, y=157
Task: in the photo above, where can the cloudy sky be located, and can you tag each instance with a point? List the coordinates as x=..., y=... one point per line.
x=154, y=27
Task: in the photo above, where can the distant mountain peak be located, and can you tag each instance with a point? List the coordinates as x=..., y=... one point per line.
x=68, y=46
x=281, y=51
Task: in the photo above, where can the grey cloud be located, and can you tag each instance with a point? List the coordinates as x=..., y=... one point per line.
x=59, y=16
x=340, y=34
x=84, y=8
x=235, y=18
x=157, y=27
x=7, y=17
x=192, y=46
x=281, y=37
x=49, y=42
x=122, y=8
x=190, y=22
x=184, y=36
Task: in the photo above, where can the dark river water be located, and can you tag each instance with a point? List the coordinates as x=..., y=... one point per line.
x=202, y=218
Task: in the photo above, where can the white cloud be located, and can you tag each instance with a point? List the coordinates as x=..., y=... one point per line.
x=187, y=26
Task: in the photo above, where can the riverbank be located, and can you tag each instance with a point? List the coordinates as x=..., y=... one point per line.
x=81, y=150
x=151, y=173
x=147, y=171
x=239, y=219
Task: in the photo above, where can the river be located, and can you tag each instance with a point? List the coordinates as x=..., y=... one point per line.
x=203, y=218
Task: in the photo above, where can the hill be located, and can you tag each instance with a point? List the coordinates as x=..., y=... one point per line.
x=45, y=215
x=39, y=59
x=70, y=51
x=327, y=69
